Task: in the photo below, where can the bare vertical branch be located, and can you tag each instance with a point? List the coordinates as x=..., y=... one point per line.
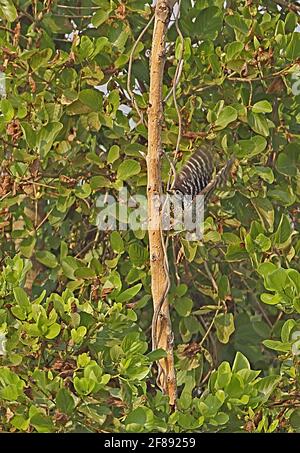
x=129, y=90
x=162, y=335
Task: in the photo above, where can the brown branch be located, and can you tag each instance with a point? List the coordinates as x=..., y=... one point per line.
x=210, y=327
x=175, y=82
x=288, y=5
x=78, y=7
x=129, y=90
x=162, y=335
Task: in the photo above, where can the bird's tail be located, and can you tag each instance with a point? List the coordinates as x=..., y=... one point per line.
x=219, y=180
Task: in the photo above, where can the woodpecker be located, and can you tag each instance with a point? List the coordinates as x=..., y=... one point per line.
x=196, y=176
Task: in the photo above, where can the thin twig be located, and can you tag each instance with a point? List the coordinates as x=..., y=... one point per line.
x=44, y=219
x=288, y=5
x=14, y=145
x=129, y=90
x=175, y=261
x=211, y=324
x=213, y=281
x=175, y=83
x=78, y=7
x=180, y=59
x=40, y=184
x=9, y=30
x=85, y=248
x=232, y=78
x=71, y=16
x=212, y=341
x=266, y=77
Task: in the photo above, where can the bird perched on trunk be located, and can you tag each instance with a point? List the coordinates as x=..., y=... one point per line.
x=196, y=176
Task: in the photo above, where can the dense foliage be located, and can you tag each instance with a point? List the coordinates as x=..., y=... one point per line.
x=75, y=302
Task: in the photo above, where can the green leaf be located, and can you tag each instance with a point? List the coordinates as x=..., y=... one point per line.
x=265, y=210
x=262, y=107
x=69, y=265
x=238, y=23
x=251, y=147
x=86, y=48
x=113, y=154
x=10, y=392
x=208, y=23
x=223, y=287
x=224, y=324
x=53, y=331
x=91, y=98
x=233, y=50
x=8, y=10
x=85, y=273
x=22, y=298
x=190, y=249
x=113, y=281
x=48, y=259
x=227, y=116
x=264, y=173
x=42, y=423
x=19, y=312
x=236, y=252
x=100, y=43
x=263, y=242
x=29, y=134
x=99, y=181
x=183, y=306
x=240, y=363
x=287, y=329
x=84, y=386
x=181, y=289
x=128, y=168
x=223, y=376
x=138, y=255
x=285, y=196
x=283, y=232
x=294, y=277
x=64, y=401
x=129, y=293
x=288, y=160
x=267, y=385
x=293, y=48
x=78, y=334
x=78, y=108
x=27, y=246
x=266, y=268
x=46, y=136
x=116, y=242
x=220, y=419
x=83, y=191
x=100, y=17
x=271, y=299
x=7, y=110
x=40, y=58
x=295, y=419
x=235, y=387
x=277, y=345
x=290, y=22
x=20, y=422
x=276, y=281
x=158, y=354
x=258, y=123
x=136, y=417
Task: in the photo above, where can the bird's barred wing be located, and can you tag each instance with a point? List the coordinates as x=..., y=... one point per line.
x=195, y=174
x=218, y=181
